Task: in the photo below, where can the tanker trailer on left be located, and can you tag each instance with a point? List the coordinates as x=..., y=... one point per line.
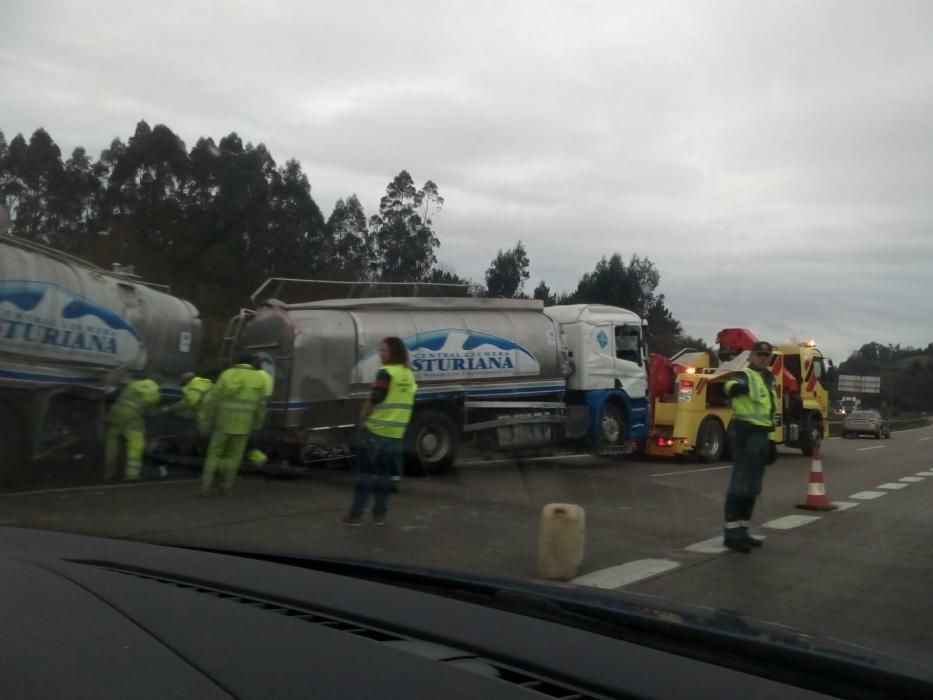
x=70, y=334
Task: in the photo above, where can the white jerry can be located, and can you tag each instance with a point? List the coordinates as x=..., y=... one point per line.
x=560, y=542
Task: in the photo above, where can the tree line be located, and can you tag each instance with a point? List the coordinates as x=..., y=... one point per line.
x=906, y=375
x=215, y=221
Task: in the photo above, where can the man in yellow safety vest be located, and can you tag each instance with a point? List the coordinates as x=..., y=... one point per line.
x=256, y=456
x=384, y=419
x=755, y=407
x=194, y=400
x=236, y=407
x=126, y=421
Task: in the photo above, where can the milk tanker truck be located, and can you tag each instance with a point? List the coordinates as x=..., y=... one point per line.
x=70, y=333
x=506, y=373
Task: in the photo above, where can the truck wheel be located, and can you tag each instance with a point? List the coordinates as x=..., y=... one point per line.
x=612, y=426
x=812, y=434
x=13, y=448
x=430, y=442
x=711, y=439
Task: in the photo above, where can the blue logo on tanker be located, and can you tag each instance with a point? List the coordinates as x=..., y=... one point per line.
x=22, y=294
x=458, y=352
x=46, y=318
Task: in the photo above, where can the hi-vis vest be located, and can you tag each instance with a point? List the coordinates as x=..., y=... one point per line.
x=239, y=400
x=195, y=391
x=134, y=401
x=391, y=417
x=759, y=405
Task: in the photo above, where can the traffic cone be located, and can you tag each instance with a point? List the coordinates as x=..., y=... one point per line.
x=816, y=489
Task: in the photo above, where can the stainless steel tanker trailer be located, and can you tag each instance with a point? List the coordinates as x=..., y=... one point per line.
x=70, y=332
x=508, y=372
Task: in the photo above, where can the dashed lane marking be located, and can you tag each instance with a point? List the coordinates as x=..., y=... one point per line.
x=911, y=479
x=922, y=439
x=868, y=495
x=693, y=471
x=790, y=521
x=844, y=505
x=875, y=447
x=927, y=473
x=711, y=546
x=624, y=574
x=892, y=486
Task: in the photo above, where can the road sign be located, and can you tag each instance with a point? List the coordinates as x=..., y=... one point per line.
x=858, y=384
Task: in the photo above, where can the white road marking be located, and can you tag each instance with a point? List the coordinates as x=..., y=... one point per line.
x=711, y=546
x=102, y=487
x=911, y=479
x=692, y=471
x=892, y=486
x=844, y=505
x=927, y=473
x=868, y=495
x=876, y=447
x=922, y=439
x=790, y=521
x=624, y=574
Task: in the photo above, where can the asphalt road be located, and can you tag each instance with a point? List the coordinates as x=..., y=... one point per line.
x=861, y=573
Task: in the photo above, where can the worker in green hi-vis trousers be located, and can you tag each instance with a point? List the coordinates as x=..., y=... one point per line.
x=126, y=421
x=236, y=407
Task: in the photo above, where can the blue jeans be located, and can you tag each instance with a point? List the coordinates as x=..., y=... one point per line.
x=377, y=461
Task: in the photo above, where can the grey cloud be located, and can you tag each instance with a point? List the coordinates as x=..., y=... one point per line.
x=773, y=158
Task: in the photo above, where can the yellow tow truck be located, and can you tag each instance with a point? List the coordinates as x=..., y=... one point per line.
x=691, y=415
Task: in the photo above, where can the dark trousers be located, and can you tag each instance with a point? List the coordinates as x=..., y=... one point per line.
x=377, y=461
x=750, y=451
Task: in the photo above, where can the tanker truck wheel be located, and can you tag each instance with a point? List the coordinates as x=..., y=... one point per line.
x=13, y=448
x=612, y=426
x=430, y=443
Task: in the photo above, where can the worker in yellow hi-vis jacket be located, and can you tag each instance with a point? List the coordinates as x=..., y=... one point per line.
x=194, y=400
x=126, y=421
x=236, y=407
x=256, y=456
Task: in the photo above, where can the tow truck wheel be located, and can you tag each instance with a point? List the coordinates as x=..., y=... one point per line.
x=711, y=440
x=612, y=425
x=812, y=435
x=430, y=443
x=13, y=450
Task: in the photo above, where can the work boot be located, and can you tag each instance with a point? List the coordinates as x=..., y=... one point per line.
x=379, y=519
x=351, y=520
x=753, y=541
x=737, y=545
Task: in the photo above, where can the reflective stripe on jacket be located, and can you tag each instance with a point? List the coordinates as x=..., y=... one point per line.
x=758, y=407
x=391, y=417
x=238, y=401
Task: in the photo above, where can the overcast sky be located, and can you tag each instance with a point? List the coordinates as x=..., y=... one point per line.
x=775, y=159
